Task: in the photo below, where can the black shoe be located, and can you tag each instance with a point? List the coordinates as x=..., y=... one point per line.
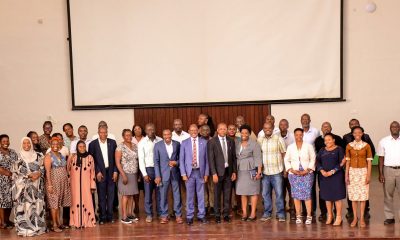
x=211, y=212
x=389, y=221
x=244, y=219
x=218, y=219
x=189, y=222
x=227, y=219
x=202, y=220
x=367, y=216
x=251, y=219
x=322, y=217
x=349, y=215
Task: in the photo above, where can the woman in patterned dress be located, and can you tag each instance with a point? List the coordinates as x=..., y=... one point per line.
x=300, y=164
x=7, y=158
x=81, y=169
x=126, y=159
x=28, y=191
x=57, y=182
x=358, y=173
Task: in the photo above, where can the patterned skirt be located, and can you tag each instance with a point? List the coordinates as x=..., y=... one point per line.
x=301, y=186
x=5, y=192
x=61, y=196
x=357, y=189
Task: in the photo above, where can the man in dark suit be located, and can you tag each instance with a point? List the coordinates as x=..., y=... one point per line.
x=103, y=153
x=348, y=138
x=193, y=164
x=222, y=161
x=166, y=166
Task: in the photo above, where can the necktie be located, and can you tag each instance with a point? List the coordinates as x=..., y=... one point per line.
x=194, y=161
x=224, y=152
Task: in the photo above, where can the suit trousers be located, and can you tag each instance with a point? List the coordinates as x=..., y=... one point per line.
x=176, y=192
x=195, y=184
x=223, y=189
x=105, y=191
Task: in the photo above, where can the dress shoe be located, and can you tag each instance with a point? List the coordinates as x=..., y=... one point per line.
x=189, y=222
x=218, y=219
x=349, y=215
x=179, y=220
x=367, y=216
x=202, y=220
x=389, y=221
x=164, y=220
x=227, y=219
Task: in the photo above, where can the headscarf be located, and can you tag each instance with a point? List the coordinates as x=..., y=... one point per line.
x=80, y=155
x=30, y=155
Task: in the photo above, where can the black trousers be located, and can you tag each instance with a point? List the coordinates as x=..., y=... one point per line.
x=223, y=189
x=105, y=192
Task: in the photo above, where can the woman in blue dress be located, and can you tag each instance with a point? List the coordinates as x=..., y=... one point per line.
x=330, y=161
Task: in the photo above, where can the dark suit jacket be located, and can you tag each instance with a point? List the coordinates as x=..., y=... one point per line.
x=161, y=161
x=216, y=157
x=95, y=151
x=320, y=142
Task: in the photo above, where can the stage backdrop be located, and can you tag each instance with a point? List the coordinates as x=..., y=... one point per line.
x=148, y=52
x=163, y=117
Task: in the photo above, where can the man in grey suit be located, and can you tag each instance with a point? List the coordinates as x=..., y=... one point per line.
x=222, y=160
x=194, y=171
x=166, y=162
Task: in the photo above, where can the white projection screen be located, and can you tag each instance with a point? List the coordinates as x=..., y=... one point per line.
x=146, y=53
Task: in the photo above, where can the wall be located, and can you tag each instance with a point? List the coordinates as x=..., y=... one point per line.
x=371, y=73
x=34, y=72
x=35, y=81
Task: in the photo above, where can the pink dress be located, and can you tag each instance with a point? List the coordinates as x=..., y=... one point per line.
x=82, y=182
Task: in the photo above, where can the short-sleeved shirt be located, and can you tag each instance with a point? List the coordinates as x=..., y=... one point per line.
x=272, y=148
x=358, y=153
x=129, y=158
x=390, y=149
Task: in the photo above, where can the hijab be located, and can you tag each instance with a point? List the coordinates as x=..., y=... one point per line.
x=30, y=155
x=80, y=155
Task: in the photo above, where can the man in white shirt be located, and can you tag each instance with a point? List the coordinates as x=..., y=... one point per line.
x=389, y=169
x=103, y=153
x=178, y=134
x=82, y=132
x=271, y=120
x=309, y=136
x=103, y=124
x=310, y=133
x=146, y=165
x=288, y=138
x=166, y=158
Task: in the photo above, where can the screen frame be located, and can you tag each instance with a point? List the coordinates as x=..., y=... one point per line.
x=199, y=104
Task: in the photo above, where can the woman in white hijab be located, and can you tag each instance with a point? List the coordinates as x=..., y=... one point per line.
x=28, y=191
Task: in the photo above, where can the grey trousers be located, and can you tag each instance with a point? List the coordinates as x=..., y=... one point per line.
x=391, y=184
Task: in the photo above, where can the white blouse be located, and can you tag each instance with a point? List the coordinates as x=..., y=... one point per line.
x=305, y=156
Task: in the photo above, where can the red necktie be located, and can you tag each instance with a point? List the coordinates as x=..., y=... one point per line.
x=194, y=161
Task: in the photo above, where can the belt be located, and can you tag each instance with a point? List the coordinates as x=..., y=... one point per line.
x=394, y=167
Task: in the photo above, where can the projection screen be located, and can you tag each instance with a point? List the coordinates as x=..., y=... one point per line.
x=144, y=53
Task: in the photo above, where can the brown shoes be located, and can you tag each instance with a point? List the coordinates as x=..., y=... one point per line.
x=164, y=220
x=179, y=220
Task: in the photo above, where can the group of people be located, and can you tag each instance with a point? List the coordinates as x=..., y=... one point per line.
x=212, y=170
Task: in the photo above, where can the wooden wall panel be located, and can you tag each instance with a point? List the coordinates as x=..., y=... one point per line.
x=163, y=117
